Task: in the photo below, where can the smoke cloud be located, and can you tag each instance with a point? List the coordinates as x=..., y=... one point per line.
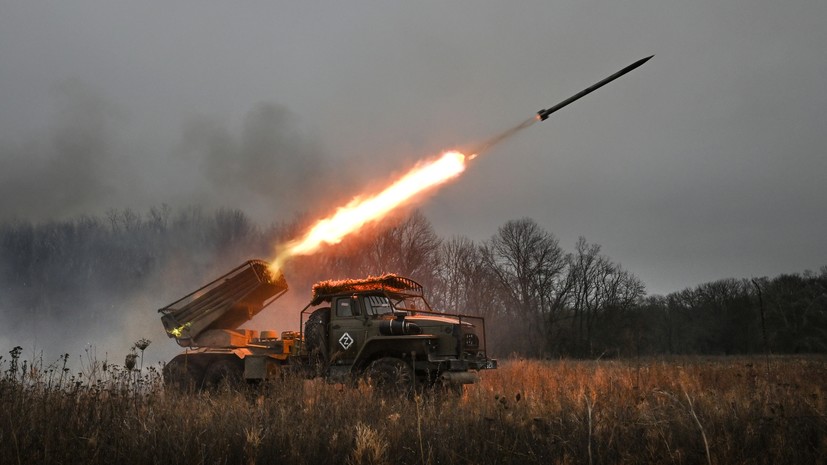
x=87, y=161
x=71, y=166
x=269, y=168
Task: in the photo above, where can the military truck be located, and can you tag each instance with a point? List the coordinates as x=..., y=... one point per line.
x=377, y=329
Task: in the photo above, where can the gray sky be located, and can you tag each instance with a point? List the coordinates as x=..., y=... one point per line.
x=707, y=162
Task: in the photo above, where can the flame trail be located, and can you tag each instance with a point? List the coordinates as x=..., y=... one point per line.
x=358, y=212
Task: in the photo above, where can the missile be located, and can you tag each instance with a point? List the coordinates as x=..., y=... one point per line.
x=543, y=114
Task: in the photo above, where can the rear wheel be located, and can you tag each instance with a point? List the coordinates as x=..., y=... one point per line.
x=183, y=374
x=224, y=372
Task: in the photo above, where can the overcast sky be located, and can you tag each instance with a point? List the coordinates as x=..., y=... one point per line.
x=707, y=162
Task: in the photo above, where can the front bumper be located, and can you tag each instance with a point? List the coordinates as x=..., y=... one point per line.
x=483, y=364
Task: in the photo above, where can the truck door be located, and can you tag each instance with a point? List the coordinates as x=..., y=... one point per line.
x=347, y=330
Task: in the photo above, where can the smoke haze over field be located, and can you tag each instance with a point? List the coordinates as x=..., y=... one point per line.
x=83, y=163
x=706, y=163
x=67, y=168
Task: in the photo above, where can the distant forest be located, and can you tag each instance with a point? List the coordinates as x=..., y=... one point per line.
x=539, y=300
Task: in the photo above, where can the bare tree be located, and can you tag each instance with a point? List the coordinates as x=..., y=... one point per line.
x=600, y=287
x=530, y=269
x=456, y=258
x=408, y=248
x=464, y=283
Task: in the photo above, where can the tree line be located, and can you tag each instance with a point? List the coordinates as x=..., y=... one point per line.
x=539, y=299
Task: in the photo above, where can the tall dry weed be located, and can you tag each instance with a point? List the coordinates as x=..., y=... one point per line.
x=370, y=449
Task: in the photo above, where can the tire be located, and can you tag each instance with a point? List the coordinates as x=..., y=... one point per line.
x=224, y=372
x=390, y=376
x=183, y=374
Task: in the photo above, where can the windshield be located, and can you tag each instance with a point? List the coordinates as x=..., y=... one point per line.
x=377, y=305
x=410, y=304
x=382, y=305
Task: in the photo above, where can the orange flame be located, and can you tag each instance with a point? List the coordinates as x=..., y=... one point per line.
x=358, y=212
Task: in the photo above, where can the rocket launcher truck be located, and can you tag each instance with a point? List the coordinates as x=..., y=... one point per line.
x=377, y=329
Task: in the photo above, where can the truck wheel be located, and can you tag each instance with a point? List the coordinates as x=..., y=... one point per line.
x=223, y=372
x=183, y=375
x=390, y=375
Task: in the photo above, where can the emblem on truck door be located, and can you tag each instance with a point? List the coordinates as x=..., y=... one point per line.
x=346, y=341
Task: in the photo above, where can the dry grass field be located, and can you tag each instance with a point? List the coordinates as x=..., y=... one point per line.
x=671, y=411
